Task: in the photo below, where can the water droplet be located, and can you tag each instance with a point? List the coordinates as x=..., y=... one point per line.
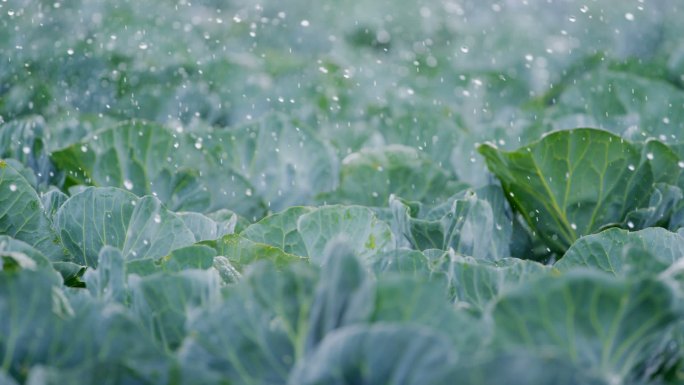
x=198, y=144
x=529, y=57
x=13, y=187
x=305, y=23
x=143, y=46
x=629, y=16
x=84, y=148
x=681, y=164
x=574, y=226
x=176, y=145
x=649, y=156
x=26, y=150
x=572, y=19
x=70, y=52
x=248, y=192
x=465, y=49
x=128, y=184
x=10, y=12
x=374, y=194
x=157, y=218
x=584, y=9
x=630, y=224
x=631, y=167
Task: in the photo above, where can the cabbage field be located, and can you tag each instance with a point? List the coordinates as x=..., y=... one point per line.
x=349, y=192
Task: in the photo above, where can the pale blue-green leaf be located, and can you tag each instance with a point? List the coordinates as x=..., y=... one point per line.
x=148, y=158
x=365, y=234
x=609, y=328
x=139, y=227
x=22, y=215
x=371, y=176
x=164, y=302
x=280, y=230
x=475, y=284
x=625, y=254
x=379, y=354
x=344, y=295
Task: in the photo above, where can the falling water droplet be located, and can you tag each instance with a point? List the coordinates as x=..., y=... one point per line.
x=13, y=187
x=128, y=184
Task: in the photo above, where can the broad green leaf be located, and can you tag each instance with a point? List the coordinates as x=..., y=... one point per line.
x=9, y=246
x=415, y=122
x=344, y=295
x=164, y=302
x=401, y=260
x=283, y=159
x=22, y=216
x=662, y=205
x=149, y=159
x=625, y=254
x=609, y=328
x=256, y=334
x=280, y=230
x=139, y=227
x=227, y=218
x=25, y=140
x=401, y=299
x=108, y=281
x=378, y=354
x=475, y=284
x=364, y=232
x=196, y=256
x=241, y=252
x=370, y=176
x=205, y=228
x=71, y=333
x=664, y=161
x=523, y=367
x=572, y=183
x=459, y=224
x=627, y=104
x=52, y=200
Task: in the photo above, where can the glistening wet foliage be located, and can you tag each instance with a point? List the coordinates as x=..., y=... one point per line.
x=342, y=192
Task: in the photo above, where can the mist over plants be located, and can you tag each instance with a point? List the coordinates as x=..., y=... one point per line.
x=342, y=192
